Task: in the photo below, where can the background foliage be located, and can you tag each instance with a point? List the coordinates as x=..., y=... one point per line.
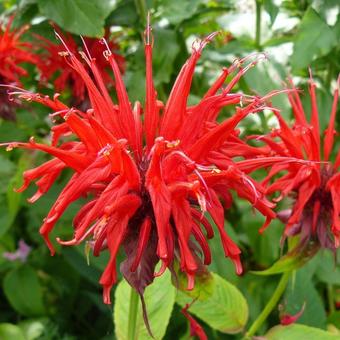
x=59, y=297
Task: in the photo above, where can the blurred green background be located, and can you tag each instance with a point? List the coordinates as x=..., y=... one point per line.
x=59, y=297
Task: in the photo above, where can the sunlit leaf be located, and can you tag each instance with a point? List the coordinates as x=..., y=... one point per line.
x=223, y=307
x=314, y=39
x=159, y=299
x=299, y=332
x=9, y=331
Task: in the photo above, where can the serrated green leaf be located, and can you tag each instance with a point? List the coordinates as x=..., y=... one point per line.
x=85, y=17
x=314, y=39
x=159, y=299
x=299, y=332
x=225, y=310
x=10, y=332
x=23, y=290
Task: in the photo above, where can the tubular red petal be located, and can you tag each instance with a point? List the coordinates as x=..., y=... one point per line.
x=305, y=192
x=160, y=198
x=144, y=235
x=201, y=219
x=217, y=84
x=151, y=116
x=196, y=231
x=174, y=111
x=125, y=117
x=315, y=116
x=183, y=223
x=215, y=137
x=329, y=136
x=71, y=159
x=195, y=328
x=288, y=137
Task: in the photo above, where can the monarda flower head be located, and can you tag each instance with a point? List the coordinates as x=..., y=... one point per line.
x=57, y=69
x=150, y=174
x=13, y=53
x=311, y=166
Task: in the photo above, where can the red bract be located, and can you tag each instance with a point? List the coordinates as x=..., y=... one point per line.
x=150, y=180
x=195, y=328
x=287, y=319
x=312, y=175
x=57, y=69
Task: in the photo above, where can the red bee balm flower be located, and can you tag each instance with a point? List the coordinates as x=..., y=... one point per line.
x=13, y=52
x=149, y=181
x=57, y=68
x=312, y=175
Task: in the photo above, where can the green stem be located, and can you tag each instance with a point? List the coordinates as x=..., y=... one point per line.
x=330, y=298
x=329, y=75
x=270, y=305
x=133, y=310
x=142, y=10
x=258, y=24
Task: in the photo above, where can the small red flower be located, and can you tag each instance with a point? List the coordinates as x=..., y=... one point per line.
x=13, y=53
x=57, y=68
x=312, y=173
x=151, y=174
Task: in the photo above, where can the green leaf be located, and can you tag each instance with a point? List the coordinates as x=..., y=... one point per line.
x=166, y=50
x=271, y=9
x=78, y=261
x=273, y=73
x=10, y=332
x=314, y=39
x=159, y=299
x=327, y=271
x=336, y=27
x=24, y=292
x=289, y=262
x=178, y=10
x=284, y=264
x=334, y=319
x=266, y=244
x=32, y=329
x=14, y=198
x=84, y=17
x=125, y=14
x=299, y=332
x=301, y=290
x=6, y=170
x=224, y=309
